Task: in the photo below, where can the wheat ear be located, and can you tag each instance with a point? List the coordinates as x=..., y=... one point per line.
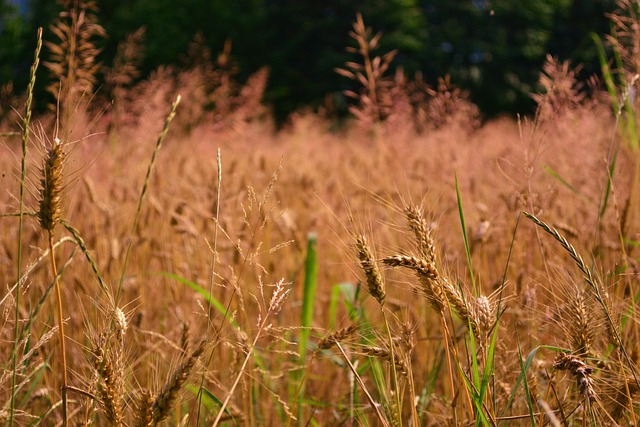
x=370, y=269
x=164, y=401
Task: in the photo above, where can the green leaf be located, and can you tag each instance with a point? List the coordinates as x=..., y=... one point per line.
x=464, y=236
x=222, y=309
x=309, y=293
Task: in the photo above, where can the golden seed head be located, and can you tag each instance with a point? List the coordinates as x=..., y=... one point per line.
x=580, y=323
x=427, y=276
x=370, y=268
x=330, y=340
x=144, y=412
x=422, y=233
x=580, y=371
x=483, y=314
x=421, y=266
x=164, y=401
x=119, y=322
x=51, y=187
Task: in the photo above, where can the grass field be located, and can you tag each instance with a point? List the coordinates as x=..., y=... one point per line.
x=214, y=270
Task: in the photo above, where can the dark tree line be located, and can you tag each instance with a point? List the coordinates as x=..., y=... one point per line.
x=492, y=48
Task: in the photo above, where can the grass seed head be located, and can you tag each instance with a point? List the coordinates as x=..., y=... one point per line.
x=165, y=400
x=580, y=371
x=144, y=411
x=422, y=233
x=580, y=327
x=370, y=268
x=51, y=185
x=330, y=340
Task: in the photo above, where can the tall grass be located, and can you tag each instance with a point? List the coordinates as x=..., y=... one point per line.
x=419, y=300
x=23, y=178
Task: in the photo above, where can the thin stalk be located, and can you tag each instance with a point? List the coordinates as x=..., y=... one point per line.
x=445, y=333
x=23, y=179
x=412, y=394
x=394, y=374
x=241, y=372
x=214, y=255
x=161, y=137
x=63, y=353
x=374, y=405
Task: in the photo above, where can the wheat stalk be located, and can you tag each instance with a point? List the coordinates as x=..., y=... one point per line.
x=23, y=176
x=147, y=177
x=49, y=214
x=580, y=371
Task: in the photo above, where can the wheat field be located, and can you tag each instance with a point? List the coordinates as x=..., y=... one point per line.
x=165, y=263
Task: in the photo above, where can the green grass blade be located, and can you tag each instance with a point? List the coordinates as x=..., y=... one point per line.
x=220, y=308
x=210, y=401
x=309, y=293
x=23, y=180
x=607, y=75
x=556, y=175
x=334, y=298
x=466, y=239
x=523, y=376
x=308, y=299
x=475, y=397
x=607, y=190
x=524, y=368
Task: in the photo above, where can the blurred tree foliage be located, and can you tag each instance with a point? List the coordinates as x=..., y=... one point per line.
x=492, y=48
x=14, y=65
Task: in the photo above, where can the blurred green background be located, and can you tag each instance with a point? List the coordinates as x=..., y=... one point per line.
x=492, y=48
